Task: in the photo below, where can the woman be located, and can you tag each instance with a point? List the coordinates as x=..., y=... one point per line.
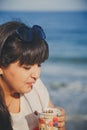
x=22, y=51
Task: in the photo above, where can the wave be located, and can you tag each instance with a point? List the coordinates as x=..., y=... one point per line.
x=81, y=60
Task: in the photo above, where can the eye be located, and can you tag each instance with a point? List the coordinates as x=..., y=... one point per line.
x=27, y=67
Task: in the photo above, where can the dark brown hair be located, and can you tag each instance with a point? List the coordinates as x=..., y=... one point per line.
x=14, y=49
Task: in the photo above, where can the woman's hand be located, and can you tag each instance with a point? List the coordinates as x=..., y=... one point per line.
x=61, y=118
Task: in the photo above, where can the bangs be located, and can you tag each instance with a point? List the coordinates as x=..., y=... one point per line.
x=34, y=54
x=29, y=53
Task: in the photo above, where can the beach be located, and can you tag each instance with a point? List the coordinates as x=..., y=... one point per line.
x=65, y=72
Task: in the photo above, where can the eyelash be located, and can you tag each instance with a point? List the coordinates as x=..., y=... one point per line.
x=29, y=67
x=26, y=68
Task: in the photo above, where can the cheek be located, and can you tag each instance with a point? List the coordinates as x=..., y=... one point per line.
x=15, y=81
x=20, y=76
x=15, y=77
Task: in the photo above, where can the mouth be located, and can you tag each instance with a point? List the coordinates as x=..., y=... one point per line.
x=30, y=84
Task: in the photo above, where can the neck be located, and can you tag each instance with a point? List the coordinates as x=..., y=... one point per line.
x=12, y=99
x=13, y=103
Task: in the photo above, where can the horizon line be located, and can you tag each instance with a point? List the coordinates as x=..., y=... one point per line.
x=44, y=10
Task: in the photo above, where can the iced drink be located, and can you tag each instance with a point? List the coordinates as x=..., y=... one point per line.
x=48, y=119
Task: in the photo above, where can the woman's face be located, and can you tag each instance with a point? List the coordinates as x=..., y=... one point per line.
x=19, y=78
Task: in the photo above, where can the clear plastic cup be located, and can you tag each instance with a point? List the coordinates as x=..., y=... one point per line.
x=48, y=119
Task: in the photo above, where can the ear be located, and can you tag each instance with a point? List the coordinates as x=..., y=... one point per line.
x=1, y=71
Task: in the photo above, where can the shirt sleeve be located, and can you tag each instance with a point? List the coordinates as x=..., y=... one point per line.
x=43, y=93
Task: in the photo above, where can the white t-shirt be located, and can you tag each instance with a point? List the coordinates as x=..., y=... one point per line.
x=36, y=100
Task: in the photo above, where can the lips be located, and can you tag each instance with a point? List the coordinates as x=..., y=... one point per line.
x=30, y=83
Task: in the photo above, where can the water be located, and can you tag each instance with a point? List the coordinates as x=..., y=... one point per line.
x=65, y=72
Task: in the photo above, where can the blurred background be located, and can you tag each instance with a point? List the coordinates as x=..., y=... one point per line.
x=65, y=72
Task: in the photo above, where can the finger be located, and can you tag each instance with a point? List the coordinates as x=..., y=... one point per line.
x=62, y=128
x=61, y=124
x=62, y=110
x=61, y=118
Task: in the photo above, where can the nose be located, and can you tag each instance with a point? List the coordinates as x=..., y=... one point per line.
x=35, y=72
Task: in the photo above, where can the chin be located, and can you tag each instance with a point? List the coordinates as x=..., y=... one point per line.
x=27, y=90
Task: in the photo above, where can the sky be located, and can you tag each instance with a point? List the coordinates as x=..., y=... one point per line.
x=43, y=5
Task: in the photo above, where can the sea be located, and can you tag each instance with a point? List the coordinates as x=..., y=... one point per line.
x=65, y=72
